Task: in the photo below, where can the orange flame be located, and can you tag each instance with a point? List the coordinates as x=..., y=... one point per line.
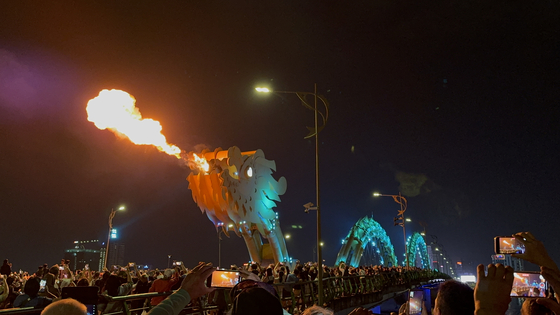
x=115, y=110
x=201, y=163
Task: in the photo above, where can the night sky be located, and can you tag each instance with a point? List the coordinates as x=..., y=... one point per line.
x=454, y=103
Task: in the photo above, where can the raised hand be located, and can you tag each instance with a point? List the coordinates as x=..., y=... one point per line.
x=491, y=294
x=195, y=281
x=535, y=252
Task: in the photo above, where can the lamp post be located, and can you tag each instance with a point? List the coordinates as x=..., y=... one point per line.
x=220, y=243
x=400, y=217
x=168, y=260
x=313, y=131
x=111, y=216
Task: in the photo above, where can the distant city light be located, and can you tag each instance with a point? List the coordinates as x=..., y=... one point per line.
x=468, y=278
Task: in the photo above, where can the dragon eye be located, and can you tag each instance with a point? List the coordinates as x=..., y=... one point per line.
x=249, y=172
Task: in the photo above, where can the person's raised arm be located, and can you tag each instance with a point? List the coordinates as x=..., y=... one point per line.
x=491, y=293
x=183, y=268
x=128, y=275
x=69, y=272
x=553, y=278
x=535, y=252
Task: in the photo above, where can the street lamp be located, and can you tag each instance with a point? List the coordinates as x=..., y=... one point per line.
x=399, y=219
x=168, y=260
x=220, y=242
x=111, y=216
x=313, y=131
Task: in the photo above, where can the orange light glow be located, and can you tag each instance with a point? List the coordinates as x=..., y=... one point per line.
x=115, y=110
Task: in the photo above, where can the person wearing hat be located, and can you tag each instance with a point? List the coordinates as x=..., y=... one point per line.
x=170, y=277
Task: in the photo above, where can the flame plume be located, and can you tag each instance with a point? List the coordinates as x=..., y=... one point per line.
x=115, y=110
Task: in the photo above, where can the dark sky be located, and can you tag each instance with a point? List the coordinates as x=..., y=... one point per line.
x=464, y=92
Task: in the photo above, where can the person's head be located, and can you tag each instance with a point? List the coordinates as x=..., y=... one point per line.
x=255, y=301
x=83, y=283
x=65, y=307
x=531, y=307
x=5, y=261
x=454, y=298
x=317, y=310
x=123, y=276
x=143, y=278
x=167, y=273
x=54, y=270
x=32, y=287
x=106, y=275
x=112, y=285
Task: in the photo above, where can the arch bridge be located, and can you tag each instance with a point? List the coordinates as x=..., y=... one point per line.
x=368, y=238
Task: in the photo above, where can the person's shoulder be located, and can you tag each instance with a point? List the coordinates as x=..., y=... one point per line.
x=19, y=299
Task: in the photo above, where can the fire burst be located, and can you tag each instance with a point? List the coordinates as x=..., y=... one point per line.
x=115, y=110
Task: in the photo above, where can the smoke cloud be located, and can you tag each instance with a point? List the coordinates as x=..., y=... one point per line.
x=16, y=82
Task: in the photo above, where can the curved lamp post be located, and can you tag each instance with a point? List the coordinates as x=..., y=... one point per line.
x=313, y=131
x=111, y=216
x=399, y=219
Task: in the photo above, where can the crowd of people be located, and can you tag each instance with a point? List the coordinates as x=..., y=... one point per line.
x=262, y=289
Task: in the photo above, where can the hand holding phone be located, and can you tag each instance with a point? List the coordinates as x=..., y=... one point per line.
x=535, y=252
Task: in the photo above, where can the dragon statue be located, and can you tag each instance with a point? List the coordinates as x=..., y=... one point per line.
x=237, y=192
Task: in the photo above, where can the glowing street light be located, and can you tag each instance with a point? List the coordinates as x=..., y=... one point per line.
x=111, y=216
x=313, y=132
x=400, y=216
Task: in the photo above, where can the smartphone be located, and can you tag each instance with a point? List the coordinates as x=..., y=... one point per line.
x=42, y=285
x=91, y=309
x=86, y=267
x=508, y=245
x=528, y=284
x=61, y=268
x=179, y=263
x=223, y=279
x=415, y=299
x=174, y=263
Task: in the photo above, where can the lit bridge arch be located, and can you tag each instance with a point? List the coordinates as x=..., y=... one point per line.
x=366, y=231
x=417, y=252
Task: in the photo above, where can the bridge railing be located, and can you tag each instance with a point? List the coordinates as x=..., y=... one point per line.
x=334, y=288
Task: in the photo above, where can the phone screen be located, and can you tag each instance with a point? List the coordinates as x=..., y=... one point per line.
x=224, y=279
x=415, y=300
x=509, y=245
x=91, y=309
x=42, y=285
x=528, y=284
